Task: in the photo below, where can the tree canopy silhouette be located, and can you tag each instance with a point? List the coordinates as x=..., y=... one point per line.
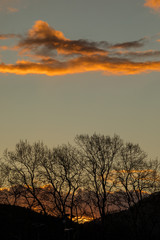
x=94, y=176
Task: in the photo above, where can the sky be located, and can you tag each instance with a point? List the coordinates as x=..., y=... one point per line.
x=71, y=67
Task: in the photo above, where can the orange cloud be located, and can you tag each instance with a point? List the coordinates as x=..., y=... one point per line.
x=41, y=30
x=154, y=4
x=43, y=37
x=80, y=65
x=49, y=52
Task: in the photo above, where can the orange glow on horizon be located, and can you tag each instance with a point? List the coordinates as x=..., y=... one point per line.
x=82, y=219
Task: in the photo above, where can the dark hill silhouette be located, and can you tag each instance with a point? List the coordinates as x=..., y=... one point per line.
x=141, y=221
x=21, y=223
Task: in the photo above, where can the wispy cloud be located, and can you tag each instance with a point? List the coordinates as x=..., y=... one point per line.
x=4, y=48
x=133, y=44
x=12, y=10
x=137, y=54
x=154, y=4
x=9, y=6
x=49, y=52
x=7, y=36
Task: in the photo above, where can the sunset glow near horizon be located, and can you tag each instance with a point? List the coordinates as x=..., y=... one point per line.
x=80, y=67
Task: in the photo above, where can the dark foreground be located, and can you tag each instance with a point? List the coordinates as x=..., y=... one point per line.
x=140, y=222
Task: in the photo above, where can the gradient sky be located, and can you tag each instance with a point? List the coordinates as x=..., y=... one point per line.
x=70, y=67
